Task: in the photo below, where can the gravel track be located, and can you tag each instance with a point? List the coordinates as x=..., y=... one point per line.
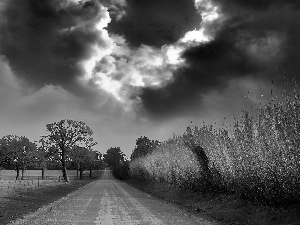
x=109, y=201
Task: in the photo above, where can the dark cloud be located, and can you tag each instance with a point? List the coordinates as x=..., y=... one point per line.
x=44, y=41
x=116, y=8
x=233, y=5
x=156, y=22
x=258, y=43
x=210, y=67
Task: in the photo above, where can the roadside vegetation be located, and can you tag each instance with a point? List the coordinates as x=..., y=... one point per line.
x=115, y=159
x=258, y=158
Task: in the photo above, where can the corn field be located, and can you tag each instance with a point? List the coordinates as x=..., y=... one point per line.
x=257, y=159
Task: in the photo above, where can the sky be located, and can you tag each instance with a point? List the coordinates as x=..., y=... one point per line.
x=131, y=68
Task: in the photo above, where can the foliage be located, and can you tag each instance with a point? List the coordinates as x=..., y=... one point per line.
x=121, y=171
x=4, y=153
x=98, y=163
x=46, y=155
x=19, y=152
x=113, y=157
x=171, y=162
x=67, y=134
x=259, y=158
x=83, y=158
x=143, y=147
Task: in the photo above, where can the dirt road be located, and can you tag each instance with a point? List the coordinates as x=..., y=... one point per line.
x=109, y=201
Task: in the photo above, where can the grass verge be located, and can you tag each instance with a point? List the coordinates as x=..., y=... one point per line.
x=23, y=202
x=229, y=209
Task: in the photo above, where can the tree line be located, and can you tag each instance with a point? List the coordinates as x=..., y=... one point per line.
x=121, y=166
x=66, y=143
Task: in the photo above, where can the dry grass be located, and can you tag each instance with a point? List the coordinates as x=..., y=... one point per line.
x=8, y=187
x=259, y=159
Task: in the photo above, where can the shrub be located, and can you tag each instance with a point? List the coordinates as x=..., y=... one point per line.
x=121, y=171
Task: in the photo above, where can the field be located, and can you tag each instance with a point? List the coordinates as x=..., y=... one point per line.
x=32, y=179
x=34, y=174
x=15, y=203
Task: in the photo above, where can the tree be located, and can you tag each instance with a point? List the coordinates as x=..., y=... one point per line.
x=83, y=158
x=53, y=159
x=113, y=157
x=98, y=162
x=66, y=134
x=44, y=155
x=94, y=162
x=20, y=152
x=5, y=157
x=143, y=147
x=121, y=171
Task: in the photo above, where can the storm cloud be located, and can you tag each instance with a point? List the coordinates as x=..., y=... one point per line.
x=45, y=41
x=258, y=40
x=156, y=22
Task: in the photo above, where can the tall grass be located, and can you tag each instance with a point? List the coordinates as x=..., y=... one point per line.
x=258, y=159
x=171, y=162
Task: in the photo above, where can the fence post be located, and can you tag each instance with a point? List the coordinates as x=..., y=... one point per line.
x=38, y=181
x=58, y=178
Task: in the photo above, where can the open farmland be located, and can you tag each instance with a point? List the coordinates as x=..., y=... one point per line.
x=9, y=186
x=15, y=203
x=32, y=179
x=34, y=174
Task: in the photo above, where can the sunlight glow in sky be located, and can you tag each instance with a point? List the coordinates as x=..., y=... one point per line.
x=173, y=54
x=149, y=58
x=211, y=11
x=195, y=35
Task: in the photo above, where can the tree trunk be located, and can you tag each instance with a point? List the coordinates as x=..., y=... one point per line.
x=64, y=169
x=90, y=172
x=23, y=171
x=18, y=173
x=81, y=173
x=43, y=173
x=77, y=175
